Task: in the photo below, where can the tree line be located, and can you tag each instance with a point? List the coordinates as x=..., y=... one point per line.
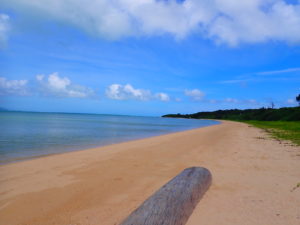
x=262, y=114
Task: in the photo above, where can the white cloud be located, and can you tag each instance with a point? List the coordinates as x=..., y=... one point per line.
x=226, y=21
x=13, y=87
x=253, y=21
x=163, y=97
x=40, y=77
x=4, y=28
x=266, y=76
x=126, y=92
x=274, y=72
x=54, y=85
x=194, y=94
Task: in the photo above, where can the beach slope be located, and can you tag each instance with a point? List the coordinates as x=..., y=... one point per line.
x=254, y=179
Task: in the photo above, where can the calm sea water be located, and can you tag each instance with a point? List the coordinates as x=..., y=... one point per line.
x=31, y=134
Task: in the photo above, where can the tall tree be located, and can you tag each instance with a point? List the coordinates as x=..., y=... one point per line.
x=298, y=99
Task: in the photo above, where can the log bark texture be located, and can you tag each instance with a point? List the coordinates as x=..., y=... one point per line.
x=173, y=203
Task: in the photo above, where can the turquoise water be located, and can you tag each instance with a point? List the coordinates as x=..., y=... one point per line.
x=30, y=134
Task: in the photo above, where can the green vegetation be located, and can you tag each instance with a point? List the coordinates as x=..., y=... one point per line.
x=286, y=130
x=298, y=99
x=283, y=123
x=262, y=114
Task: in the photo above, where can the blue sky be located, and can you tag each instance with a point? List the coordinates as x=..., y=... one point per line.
x=148, y=57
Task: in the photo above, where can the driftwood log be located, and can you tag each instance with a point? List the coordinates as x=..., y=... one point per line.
x=173, y=203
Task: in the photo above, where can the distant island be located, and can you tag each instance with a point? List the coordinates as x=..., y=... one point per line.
x=262, y=114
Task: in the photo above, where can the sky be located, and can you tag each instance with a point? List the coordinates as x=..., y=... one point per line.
x=148, y=57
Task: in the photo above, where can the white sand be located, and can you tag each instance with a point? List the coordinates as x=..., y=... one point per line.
x=252, y=180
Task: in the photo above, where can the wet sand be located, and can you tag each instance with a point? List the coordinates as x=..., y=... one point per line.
x=254, y=179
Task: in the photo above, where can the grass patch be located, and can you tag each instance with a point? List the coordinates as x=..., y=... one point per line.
x=284, y=130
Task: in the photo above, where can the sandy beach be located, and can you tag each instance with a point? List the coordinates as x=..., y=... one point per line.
x=254, y=179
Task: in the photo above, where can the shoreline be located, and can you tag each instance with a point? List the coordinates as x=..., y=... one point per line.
x=253, y=176
x=28, y=158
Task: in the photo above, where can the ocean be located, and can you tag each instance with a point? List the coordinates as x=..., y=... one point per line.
x=25, y=135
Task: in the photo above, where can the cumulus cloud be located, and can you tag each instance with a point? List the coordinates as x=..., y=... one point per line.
x=54, y=85
x=253, y=21
x=194, y=94
x=226, y=21
x=13, y=87
x=126, y=92
x=4, y=28
x=123, y=92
